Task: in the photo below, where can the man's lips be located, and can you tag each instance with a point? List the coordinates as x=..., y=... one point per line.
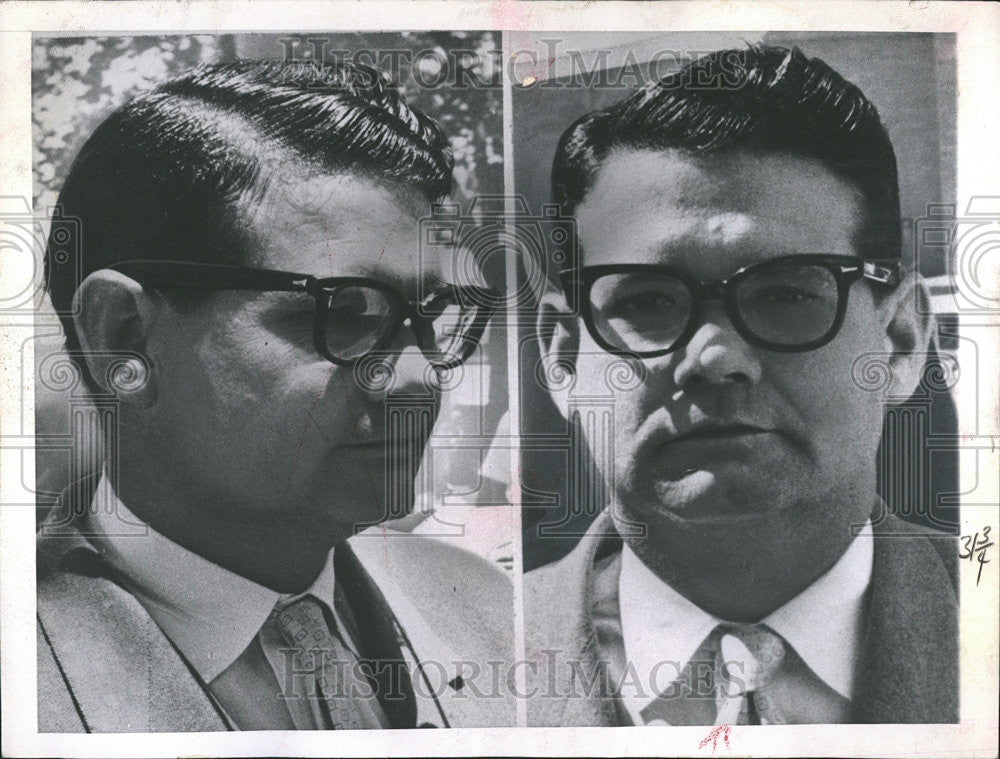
x=739, y=438
x=721, y=432
x=671, y=453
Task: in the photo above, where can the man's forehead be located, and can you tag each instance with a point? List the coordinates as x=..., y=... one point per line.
x=644, y=201
x=736, y=178
x=338, y=225
x=299, y=200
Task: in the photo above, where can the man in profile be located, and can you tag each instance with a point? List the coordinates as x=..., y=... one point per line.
x=252, y=298
x=739, y=248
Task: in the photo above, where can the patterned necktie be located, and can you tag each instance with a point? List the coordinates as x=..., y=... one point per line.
x=341, y=696
x=746, y=674
x=749, y=656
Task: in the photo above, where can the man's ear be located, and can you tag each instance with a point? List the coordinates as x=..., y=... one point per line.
x=112, y=316
x=907, y=328
x=557, y=330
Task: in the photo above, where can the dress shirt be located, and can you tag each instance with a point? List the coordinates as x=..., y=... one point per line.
x=822, y=624
x=211, y=614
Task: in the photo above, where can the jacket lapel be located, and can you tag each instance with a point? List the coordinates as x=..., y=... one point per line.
x=380, y=641
x=567, y=680
x=123, y=672
x=419, y=608
x=908, y=669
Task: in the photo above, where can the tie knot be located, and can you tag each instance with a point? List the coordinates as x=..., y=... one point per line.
x=750, y=654
x=303, y=624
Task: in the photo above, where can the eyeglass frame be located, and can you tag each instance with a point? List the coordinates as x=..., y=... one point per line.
x=846, y=270
x=166, y=274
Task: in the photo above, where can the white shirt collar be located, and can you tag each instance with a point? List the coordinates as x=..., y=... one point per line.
x=210, y=613
x=822, y=623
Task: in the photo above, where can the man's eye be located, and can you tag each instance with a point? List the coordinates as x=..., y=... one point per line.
x=353, y=304
x=786, y=295
x=652, y=302
x=348, y=311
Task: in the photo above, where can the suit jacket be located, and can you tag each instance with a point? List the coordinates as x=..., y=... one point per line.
x=105, y=666
x=908, y=665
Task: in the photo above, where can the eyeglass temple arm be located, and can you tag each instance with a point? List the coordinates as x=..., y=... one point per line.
x=191, y=275
x=883, y=272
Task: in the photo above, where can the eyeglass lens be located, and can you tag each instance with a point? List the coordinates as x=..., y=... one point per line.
x=359, y=318
x=640, y=311
x=792, y=304
x=451, y=324
x=787, y=304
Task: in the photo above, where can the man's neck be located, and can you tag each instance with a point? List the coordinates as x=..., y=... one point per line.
x=275, y=550
x=740, y=575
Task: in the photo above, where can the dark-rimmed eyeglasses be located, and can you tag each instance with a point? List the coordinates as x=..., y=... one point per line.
x=354, y=316
x=790, y=304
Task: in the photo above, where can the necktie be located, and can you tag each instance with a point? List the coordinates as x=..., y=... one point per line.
x=749, y=657
x=746, y=675
x=691, y=698
x=341, y=696
x=725, y=682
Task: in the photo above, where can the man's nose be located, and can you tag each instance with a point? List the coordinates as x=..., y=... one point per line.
x=717, y=354
x=400, y=369
x=414, y=373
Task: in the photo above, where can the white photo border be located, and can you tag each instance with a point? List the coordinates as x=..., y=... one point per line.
x=977, y=29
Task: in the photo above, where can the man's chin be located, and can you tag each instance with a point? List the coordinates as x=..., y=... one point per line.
x=704, y=497
x=347, y=512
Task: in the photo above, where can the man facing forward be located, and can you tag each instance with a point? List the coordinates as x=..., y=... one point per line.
x=254, y=307
x=739, y=241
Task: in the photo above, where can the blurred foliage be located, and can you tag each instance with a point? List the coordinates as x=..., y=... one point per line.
x=77, y=82
x=472, y=117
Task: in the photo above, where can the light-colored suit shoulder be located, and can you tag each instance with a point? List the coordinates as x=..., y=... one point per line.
x=457, y=612
x=103, y=664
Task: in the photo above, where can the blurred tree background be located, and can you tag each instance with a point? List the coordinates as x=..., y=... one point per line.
x=454, y=76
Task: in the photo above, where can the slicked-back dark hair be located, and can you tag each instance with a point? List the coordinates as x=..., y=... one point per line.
x=764, y=99
x=169, y=174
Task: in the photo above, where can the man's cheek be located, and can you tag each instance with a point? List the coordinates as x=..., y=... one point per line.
x=848, y=422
